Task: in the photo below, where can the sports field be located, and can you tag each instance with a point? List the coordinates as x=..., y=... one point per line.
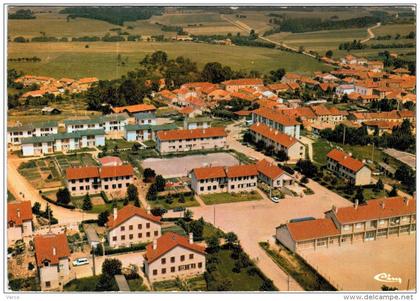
x=100, y=59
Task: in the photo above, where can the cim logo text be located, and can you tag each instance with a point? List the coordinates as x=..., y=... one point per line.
x=385, y=277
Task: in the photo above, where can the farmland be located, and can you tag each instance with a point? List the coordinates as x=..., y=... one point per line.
x=100, y=59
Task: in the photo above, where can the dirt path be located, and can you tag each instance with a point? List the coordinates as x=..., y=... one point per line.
x=371, y=35
x=23, y=190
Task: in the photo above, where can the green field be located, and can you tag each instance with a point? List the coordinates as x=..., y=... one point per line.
x=100, y=59
x=224, y=197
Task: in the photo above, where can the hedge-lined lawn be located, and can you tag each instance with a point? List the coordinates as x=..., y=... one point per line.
x=297, y=268
x=120, y=143
x=136, y=285
x=161, y=202
x=193, y=284
x=87, y=284
x=225, y=197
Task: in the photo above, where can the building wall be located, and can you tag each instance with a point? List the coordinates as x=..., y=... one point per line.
x=283, y=236
x=14, y=234
x=241, y=184
x=176, y=253
x=96, y=185
x=57, y=275
x=363, y=176
x=134, y=230
x=193, y=144
x=206, y=186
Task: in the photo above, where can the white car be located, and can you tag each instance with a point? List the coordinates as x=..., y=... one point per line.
x=80, y=261
x=275, y=199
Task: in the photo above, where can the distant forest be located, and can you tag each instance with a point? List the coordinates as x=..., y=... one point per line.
x=22, y=14
x=113, y=14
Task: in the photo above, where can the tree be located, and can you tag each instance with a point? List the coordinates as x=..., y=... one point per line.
x=329, y=54
x=87, y=203
x=277, y=75
x=393, y=192
x=359, y=195
x=247, y=138
x=160, y=183
x=148, y=174
x=260, y=145
x=63, y=196
x=188, y=214
x=36, y=208
x=403, y=172
x=152, y=193
x=106, y=283
x=213, y=244
x=132, y=193
x=379, y=186
x=111, y=267
x=231, y=238
x=268, y=285
x=282, y=156
x=307, y=168
x=103, y=218
x=215, y=73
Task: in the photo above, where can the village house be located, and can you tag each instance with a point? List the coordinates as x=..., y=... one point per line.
x=110, y=161
x=188, y=140
x=217, y=179
x=132, y=225
x=391, y=116
x=218, y=95
x=166, y=96
x=376, y=219
x=345, y=166
x=85, y=83
x=140, y=108
x=380, y=126
x=174, y=256
x=341, y=90
x=234, y=85
x=50, y=111
x=197, y=123
x=52, y=254
x=376, y=66
x=37, y=146
x=294, y=149
x=278, y=121
x=15, y=134
x=144, y=132
x=289, y=78
x=145, y=118
x=94, y=179
x=28, y=80
x=109, y=123
x=272, y=175
x=19, y=221
x=328, y=115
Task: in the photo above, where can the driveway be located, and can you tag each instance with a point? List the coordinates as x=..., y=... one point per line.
x=18, y=185
x=254, y=222
x=234, y=133
x=353, y=267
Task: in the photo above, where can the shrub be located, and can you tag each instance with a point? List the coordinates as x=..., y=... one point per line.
x=138, y=247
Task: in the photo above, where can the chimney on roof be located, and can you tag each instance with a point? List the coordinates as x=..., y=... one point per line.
x=18, y=212
x=115, y=214
x=382, y=204
x=406, y=201
x=190, y=238
x=148, y=210
x=334, y=209
x=154, y=244
x=54, y=251
x=356, y=204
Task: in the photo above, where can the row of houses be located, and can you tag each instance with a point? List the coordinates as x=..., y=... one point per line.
x=239, y=178
x=376, y=219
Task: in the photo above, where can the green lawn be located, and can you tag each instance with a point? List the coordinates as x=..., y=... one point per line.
x=120, y=143
x=82, y=285
x=297, y=268
x=10, y=196
x=193, y=284
x=175, y=229
x=190, y=201
x=136, y=285
x=224, y=197
x=73, y=60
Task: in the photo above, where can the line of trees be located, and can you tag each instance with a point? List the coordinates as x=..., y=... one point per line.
x=22, y=14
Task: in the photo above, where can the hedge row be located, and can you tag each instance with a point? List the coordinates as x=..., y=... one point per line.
x=138, y=247
x=67, y=206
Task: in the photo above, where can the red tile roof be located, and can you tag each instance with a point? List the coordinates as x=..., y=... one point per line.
x=18, y=212
x=268, y=169
x=116, y=171
x=345, y=160
x=278, y=87
x=110, y=160
x=167, y=242
x=243, y=113
x=311, y=229
x=241, y=171
x=276, y=116
x=212, y=172
x=274, y=135
x=128, y=212
x=135, y=108
x=51, y=247
x=244, y=82
x=320, y=110
x=88, y=80
x=75, y=173
x=190, y=134
x=376, y=209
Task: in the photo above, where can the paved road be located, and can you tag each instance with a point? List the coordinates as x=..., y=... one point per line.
x=371, y=35
x=234, y=134
x=17, y=184
x=256, y=221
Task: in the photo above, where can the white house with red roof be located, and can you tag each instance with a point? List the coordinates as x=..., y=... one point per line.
x=375, y=219
x=277, y=120
x=132, y=225
x=273, y=175
x=234, y=85
x=345, y=166
x=19, y=221
x=172, y=256
x=94, y=179
x=52, y=254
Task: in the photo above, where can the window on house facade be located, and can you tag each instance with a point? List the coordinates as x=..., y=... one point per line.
x=172, y=269
x=163, y=260
x=122, y=228
x=122, y=237
x=156, y=233
x=139, y=226
x=191, y=256
x=182, y=257
x=148, y=234
x=147, y=225
x=155, y=272
x=130, y=227
x=163, y=271
x=200, y=264
x=172, y=259
x=139, y=235
x=130, y=236
x=114, y=238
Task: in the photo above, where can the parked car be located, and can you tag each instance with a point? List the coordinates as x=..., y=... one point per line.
x=178, y=209
x=275, y=199
x=80, y=261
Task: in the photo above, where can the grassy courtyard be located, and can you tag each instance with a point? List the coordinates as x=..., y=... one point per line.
x=225, y=197
x=193, y=284
x=174, y=202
